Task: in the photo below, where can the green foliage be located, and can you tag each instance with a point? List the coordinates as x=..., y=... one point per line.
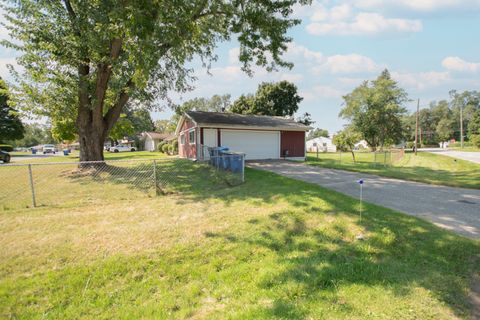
x=6, y=147
x=165, y=148
x=123, y=128
x=345, y=140
x=11, y=127
x=243, y=104
x=375, y=110
x=140, y=120
x=316, y=133
x=306, y=119
x=175, y=146
x=474, y=124
x=88, y=60
x=475, y=140
x=160, y=145
x=63, y=129
x=271, y=99
x=35, y=134
x=165, y=126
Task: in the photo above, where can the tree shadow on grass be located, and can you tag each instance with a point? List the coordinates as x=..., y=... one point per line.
x=400, y=252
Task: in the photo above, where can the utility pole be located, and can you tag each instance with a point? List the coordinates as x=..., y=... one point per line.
x=416, y=126
x=461, y=125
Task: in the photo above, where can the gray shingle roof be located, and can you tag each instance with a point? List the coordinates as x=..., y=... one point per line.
x=233, y=119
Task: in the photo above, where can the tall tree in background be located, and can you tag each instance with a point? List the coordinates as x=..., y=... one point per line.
x=243, y=104
x=316, y=133
x=11, y=127
x=96, y=57
x=375, y=110
x=271, y=99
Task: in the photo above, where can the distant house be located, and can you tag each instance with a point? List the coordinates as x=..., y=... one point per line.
x=362, y=144
x=152, y=139
x=322, y=144
x=259, y=137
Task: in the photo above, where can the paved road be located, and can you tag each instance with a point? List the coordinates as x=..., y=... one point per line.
x=469, y=156
x=454, y=209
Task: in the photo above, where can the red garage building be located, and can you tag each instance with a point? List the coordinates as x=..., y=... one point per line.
x=259, y=137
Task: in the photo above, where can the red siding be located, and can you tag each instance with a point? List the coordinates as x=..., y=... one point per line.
x=187, y=150
x=294, y=142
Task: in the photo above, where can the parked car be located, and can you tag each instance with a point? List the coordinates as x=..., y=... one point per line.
x=4, y=156
x=122, y=148
x=48, y=148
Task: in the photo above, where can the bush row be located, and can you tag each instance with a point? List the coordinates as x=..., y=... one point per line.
x=168, y=148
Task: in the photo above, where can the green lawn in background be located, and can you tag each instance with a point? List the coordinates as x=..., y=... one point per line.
x=272, y=248
x=423, y=167
x=74, y=156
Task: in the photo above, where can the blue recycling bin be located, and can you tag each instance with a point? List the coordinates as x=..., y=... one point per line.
x=34, y=151
x=66, y=152
x=215, y=156
x=236, y=162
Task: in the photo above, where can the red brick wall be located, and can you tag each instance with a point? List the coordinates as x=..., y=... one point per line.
x=187, y=150
x=294, y=142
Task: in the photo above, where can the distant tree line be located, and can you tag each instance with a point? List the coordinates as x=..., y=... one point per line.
x=376, y=113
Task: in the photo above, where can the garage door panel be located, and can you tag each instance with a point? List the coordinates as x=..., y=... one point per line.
x=255, y=144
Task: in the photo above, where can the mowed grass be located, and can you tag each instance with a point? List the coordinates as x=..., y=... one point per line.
x=424, y=167
x=21, y=157
x=271, y=248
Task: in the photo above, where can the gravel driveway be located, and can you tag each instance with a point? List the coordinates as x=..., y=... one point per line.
x=454, y=209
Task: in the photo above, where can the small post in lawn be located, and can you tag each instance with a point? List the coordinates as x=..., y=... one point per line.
x=360, y=182
x=155, y=176
x=32, y=188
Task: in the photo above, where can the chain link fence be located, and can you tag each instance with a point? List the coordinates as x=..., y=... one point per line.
x=378, y=158
x=80, y=183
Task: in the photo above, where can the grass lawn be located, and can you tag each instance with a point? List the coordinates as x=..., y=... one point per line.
x=424, y=167
x=74, y=156
x=271, y=248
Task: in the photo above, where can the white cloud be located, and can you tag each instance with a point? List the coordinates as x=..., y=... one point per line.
x=233, y=55
x=349, y=63
x=365, y=23
x=459, y=65
x=295, y=51
x=336, y=13
x=421, y=80
x=327, y=91
x=419, y=5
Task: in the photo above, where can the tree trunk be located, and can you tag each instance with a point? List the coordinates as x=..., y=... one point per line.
x=91, y=136
x=353, y=156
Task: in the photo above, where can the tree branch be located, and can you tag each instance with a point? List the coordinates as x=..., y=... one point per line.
x=114, y=112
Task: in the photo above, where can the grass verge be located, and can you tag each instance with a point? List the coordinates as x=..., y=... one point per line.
x=271, y=248
x=424, y=167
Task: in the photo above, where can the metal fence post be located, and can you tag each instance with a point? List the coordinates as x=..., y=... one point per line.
x=155, y=176
x=243, y=168
x=34, y=203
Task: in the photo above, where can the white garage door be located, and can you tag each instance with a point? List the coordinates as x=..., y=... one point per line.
x=255, y=144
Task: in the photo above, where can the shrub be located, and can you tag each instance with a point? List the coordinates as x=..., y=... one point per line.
x=475, y=140
x=165, y=148
x=175, y=146
x=6, y=147
x=170, y=149
x=160, y=145
x=410, y=144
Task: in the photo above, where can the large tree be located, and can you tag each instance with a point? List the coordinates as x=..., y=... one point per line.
x=375, y=110
x=90, y=59
x=271, y=99
x=11, y=127
x=316, y=133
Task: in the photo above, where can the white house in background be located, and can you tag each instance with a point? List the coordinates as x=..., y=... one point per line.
x=322, y=143
x=362, y=144
x=152, y=139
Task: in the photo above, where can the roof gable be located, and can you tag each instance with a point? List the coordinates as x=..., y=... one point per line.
x=203, y=118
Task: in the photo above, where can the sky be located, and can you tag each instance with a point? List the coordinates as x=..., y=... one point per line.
x=429, y=46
